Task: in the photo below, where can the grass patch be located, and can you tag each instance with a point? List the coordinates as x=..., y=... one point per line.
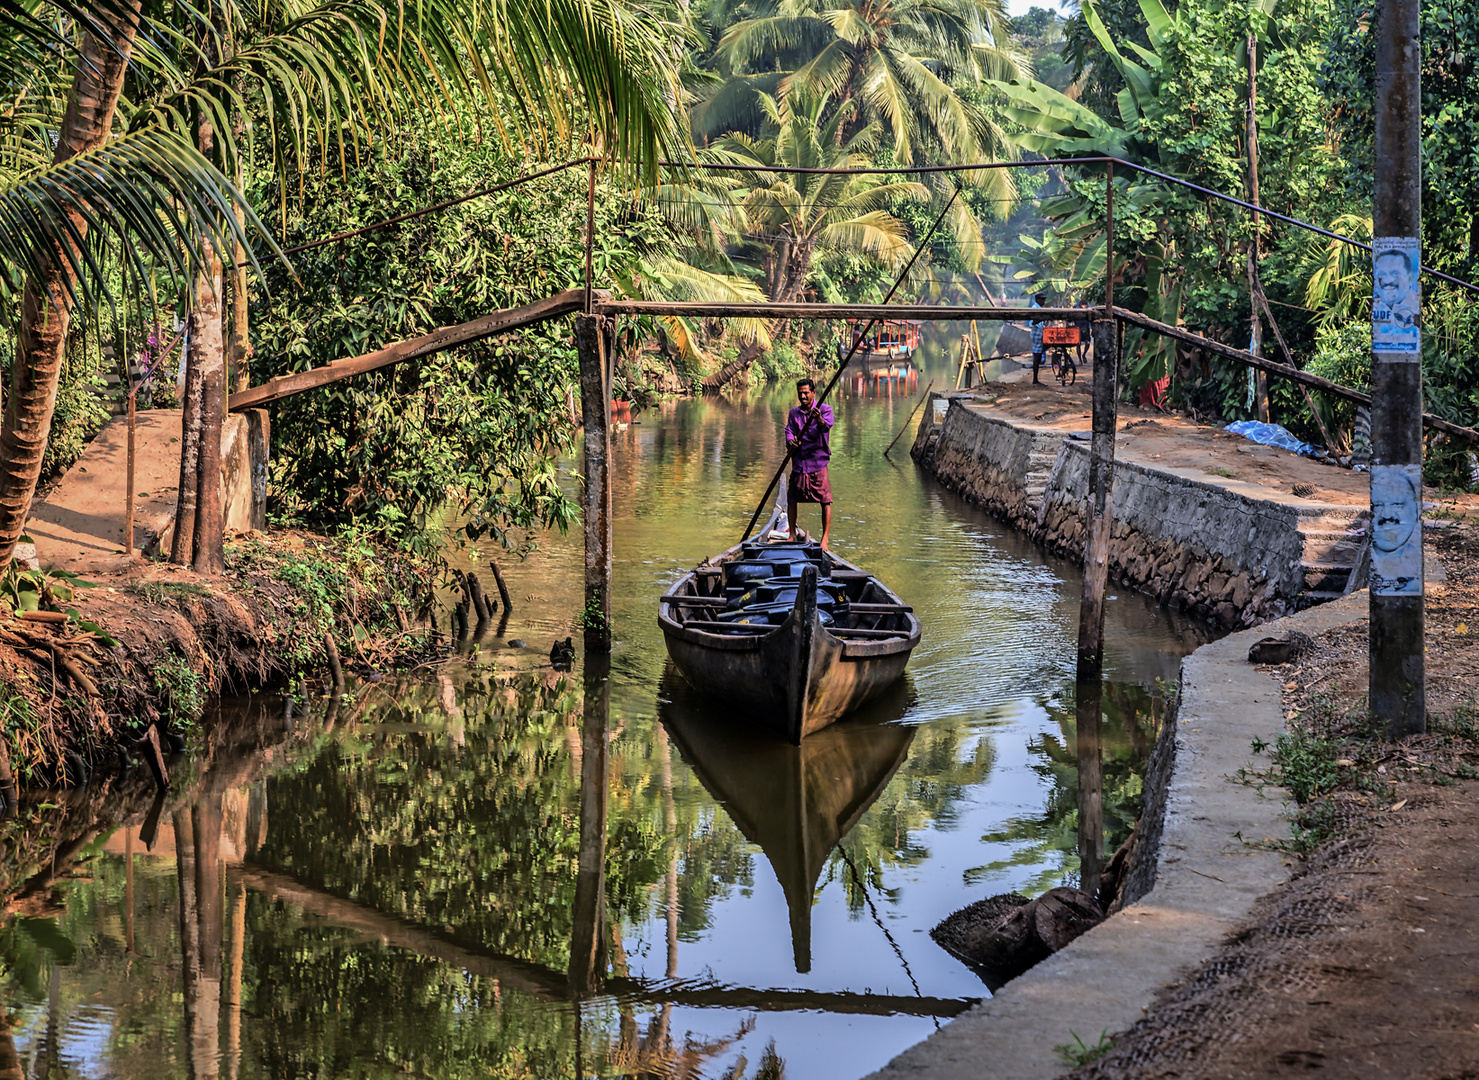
x=181, y=698
x=1078, y=1052
x=158, y=591
x=21, y=728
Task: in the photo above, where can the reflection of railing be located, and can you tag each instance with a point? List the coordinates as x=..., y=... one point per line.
x=548, y=984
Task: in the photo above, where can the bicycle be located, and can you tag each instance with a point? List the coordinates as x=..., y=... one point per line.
x=1062, y=339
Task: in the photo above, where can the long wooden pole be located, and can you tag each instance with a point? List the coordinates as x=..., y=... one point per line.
x=591, y=338
x=1100, y=514
x=766, y=309
x=857, y=341
x=1293, y=374
x=1309, y=399
x=922, y=399
x=495, y=322
x=590, y=232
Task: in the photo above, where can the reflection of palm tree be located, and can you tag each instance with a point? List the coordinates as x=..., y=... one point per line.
x=1131, y=720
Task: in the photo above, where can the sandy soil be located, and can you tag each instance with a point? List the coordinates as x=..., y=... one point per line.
x=1367, y=963
x=1150, y=436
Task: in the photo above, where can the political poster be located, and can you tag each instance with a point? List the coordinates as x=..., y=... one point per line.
x=1396, y=530
x=1396, y=300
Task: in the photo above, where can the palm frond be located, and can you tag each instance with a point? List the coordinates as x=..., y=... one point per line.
x=878, y=234
x=149, y=191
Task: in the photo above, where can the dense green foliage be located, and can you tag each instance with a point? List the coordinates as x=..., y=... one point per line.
x=479, y=426
x=1168, y=86
x=471, y=436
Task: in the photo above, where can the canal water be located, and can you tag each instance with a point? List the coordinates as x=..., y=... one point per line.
x=415, y=881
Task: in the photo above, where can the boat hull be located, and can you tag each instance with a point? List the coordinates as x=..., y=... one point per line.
x=798, y=678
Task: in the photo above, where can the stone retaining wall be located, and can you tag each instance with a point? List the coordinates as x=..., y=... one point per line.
x=1202, y=547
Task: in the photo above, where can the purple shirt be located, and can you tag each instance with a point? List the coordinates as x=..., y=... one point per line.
x=815, y=448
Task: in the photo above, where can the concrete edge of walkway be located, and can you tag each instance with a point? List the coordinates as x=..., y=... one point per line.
x=1207, y=881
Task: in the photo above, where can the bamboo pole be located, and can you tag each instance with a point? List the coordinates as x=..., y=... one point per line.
x=858, y=340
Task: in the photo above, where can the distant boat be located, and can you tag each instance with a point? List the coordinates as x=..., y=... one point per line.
x=797, y=636
x=795, y=803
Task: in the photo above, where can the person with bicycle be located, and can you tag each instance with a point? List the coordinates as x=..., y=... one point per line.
x=1036, y=326
x=1084, y=329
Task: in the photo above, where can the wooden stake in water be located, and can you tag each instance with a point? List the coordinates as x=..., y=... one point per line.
x=1100, y=518
x=592, y=338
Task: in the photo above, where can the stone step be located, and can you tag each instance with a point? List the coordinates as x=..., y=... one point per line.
x=1331, y=547
x=1325, y=578
x=1317, y=596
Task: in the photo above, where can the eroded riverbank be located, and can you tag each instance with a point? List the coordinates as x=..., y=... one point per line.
x=151, y=643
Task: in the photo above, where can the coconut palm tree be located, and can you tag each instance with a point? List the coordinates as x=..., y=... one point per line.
x=793, y=215
x=900, y=63
x=63, y=195
x=705, y=214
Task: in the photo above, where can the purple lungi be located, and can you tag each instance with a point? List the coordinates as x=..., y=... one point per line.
x=809, y=487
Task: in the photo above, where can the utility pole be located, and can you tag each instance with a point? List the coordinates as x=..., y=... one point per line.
x=1255, y=341
x=1396, y=644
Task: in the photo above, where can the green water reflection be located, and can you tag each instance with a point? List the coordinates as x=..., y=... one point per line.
x=493, y=869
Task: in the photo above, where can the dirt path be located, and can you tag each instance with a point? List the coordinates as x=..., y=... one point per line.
x=1367, y=963
x=1168, y=441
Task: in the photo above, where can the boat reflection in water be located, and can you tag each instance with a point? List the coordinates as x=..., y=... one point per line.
x=796, y=803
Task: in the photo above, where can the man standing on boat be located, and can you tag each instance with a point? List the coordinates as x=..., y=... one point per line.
x=808, y=440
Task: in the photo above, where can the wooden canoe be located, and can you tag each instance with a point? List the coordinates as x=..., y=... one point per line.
x=795, y=803
x=796, y=636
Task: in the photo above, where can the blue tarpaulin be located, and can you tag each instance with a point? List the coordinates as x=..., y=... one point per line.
x=1274, y=435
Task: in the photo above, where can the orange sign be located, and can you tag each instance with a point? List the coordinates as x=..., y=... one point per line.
x=1060, y=335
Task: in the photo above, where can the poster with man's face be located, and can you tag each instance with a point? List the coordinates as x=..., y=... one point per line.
x=1396, y=300
x=1396, y=530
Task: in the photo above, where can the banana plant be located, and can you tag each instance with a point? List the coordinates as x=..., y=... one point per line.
x=1147, y=249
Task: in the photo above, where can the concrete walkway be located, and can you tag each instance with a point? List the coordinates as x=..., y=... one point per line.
x=1208, y=878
